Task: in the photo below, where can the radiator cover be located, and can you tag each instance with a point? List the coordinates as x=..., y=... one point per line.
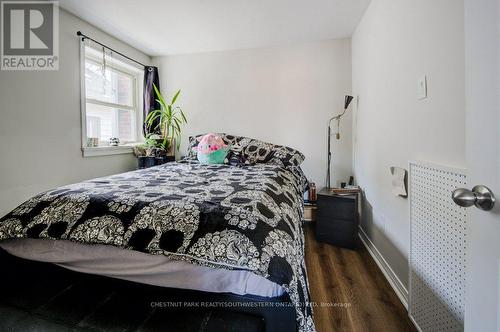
x=438, y=229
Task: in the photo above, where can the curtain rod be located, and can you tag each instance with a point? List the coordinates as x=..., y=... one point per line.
x=79, y=33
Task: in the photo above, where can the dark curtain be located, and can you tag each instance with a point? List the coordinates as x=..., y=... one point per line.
x=150, y=104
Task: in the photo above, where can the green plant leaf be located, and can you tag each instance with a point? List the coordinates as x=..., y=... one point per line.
x=158, y=94
x=151, y=118
x=179, y=114
x=183, y=116
x=175, y=97
x=177, y=126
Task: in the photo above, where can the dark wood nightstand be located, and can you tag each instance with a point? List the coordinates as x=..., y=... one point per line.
x=337, y=218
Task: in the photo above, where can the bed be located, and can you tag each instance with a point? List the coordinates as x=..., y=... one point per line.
x=230, y=228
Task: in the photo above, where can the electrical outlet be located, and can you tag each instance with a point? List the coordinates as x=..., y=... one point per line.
x=422, y=87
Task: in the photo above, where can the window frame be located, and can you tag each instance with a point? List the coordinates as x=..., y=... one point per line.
x=122, y=67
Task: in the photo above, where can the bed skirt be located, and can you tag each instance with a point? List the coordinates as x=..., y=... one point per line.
x=44, y=296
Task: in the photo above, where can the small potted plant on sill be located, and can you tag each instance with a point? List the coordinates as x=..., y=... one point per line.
x=150, y=152
x=168, y=119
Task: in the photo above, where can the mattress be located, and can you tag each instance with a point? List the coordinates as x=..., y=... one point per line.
x=140, y=267
x=222, y=217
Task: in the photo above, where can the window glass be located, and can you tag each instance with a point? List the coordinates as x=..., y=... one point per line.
x=108, y=85
x=111, y=108
x=104, y=122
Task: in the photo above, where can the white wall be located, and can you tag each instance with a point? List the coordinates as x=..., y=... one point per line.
x=40, y=135
x=396, y=43
x=283, y=95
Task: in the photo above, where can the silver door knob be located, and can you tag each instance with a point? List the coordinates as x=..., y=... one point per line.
x=480, y=196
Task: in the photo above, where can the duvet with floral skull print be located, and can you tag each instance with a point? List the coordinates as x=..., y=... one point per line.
x=219, y=216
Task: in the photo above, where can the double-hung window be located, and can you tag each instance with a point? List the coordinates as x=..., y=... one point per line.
x=110, y=103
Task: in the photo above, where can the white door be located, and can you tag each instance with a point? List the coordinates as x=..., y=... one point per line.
x=482, y=51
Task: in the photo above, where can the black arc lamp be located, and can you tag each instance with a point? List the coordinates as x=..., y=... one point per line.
x=347, y=101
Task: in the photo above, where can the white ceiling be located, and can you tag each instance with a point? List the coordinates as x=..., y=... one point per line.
x=166, y=27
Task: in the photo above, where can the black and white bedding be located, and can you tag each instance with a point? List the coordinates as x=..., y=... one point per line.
x=219, y=216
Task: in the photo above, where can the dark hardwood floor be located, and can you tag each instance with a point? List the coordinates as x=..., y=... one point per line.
x=342, y=276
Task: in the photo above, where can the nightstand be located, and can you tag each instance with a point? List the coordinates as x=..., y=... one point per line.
x=337, y=218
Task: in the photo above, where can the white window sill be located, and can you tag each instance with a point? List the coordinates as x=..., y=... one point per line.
x=107, y=150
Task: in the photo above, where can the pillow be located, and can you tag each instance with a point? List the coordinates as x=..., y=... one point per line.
x=193, y=144
x=252, y=151
x=258, y=152
x=216, y=157
x=211, y=149
x=285, y=156
x=235, y=158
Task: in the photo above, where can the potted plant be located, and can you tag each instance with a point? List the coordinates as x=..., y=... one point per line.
x=169, y=119
x=150, y=147
x=151, y=152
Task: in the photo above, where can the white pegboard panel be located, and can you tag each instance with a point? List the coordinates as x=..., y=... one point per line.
x=438, y=229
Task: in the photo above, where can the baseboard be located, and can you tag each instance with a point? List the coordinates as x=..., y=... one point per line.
x=389, y=274
x=415, y=323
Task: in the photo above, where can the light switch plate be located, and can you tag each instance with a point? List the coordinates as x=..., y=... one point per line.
x=422, y=87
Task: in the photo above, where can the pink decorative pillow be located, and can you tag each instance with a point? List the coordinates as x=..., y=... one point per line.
x=211, y=149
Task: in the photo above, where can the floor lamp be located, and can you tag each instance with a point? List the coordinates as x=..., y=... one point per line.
x=347, y=101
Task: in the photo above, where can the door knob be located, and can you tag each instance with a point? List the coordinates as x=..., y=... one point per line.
x=480, y=196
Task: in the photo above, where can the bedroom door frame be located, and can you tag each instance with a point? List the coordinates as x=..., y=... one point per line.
x=482, y=59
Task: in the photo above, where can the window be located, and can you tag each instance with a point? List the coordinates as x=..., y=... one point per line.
x=110, y=105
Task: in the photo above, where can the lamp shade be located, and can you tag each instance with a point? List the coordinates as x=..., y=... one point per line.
x=347, y=101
